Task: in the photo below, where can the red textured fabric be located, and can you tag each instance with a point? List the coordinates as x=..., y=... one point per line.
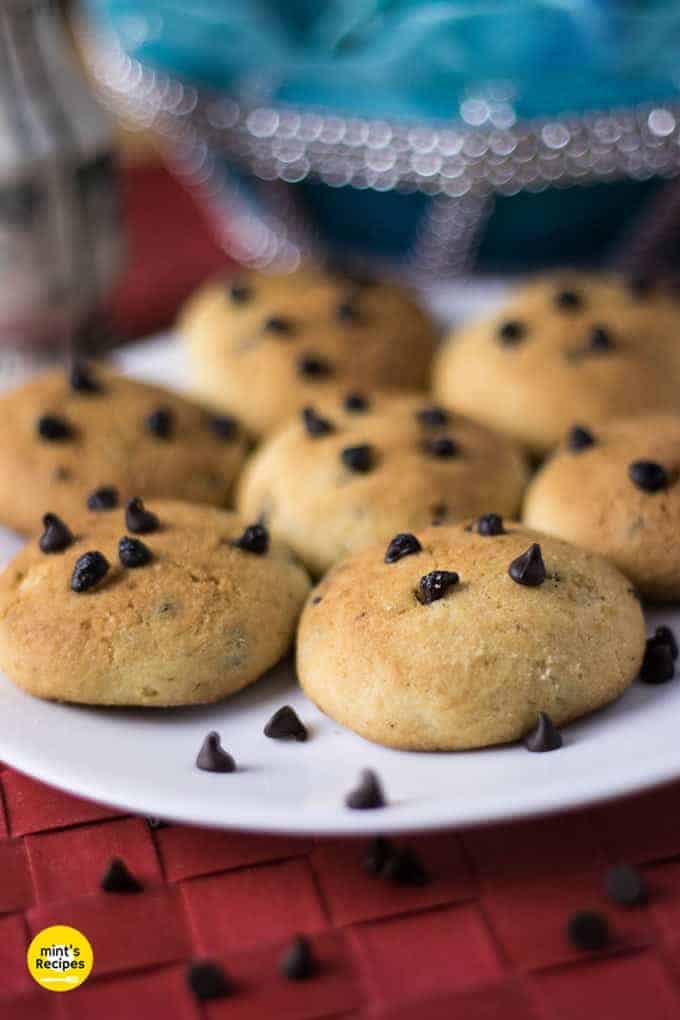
x=485, y=939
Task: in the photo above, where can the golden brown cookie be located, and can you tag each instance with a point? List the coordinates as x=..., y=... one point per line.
x=614, y=488
x=119, y=611
x=264, y=346
x=355, y=470
x=66, y=436
x=563, y=349
x=468, y=656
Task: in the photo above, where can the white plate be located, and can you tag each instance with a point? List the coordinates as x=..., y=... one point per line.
x=144, y=761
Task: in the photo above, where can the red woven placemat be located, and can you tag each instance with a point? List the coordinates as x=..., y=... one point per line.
x=484, y=938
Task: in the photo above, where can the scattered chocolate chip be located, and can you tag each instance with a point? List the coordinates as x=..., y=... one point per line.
x=160, y=423
x=658, y=664
x=568, y=300
x=315, y=424
x=56, y=537
x=207, y=980
x=240, y=292
x=212, y=757
x=348, y=311
x=368, y=794
x=133, y=553
x=286, y=724
x=435, y=585
x=358, y=458
x=255, y=539
x=442, y=447
x=298, y=963
x=600, y=339
x=588, y=930
x=404, y=544
x=280, y=325
x=81, y=379
x=511, y=332
x=224, y=426
x=579, y=438
x=316, y=600
x=377, y=854
x=53, y=428
x=666, y=636
x=61, y=473
x=641, y=286
x=103, y=498
x=356, y=402
x=433, y=417
x=439, y=512
x=545, y=736
x=89, y=569
x=529, y=568
x=313, y=366
x=625, y=885
x=119, y=879
x=138, y=519
x=648, y=475
x=404, y=867
x=490, y=525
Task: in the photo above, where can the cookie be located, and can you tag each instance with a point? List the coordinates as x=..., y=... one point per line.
x=614, y=488
x=564, y=349
x=360, y=468
x=197, y=612
x=93, y=437
x=462, y=642
x=264, y=346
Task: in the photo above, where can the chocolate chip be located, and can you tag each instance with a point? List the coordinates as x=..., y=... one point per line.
x=315, y=424
x=579, y=438
x=53, y=428
x=212, y=757
x=119, y=879
x=665, y=636
x=490, y=525
x=160, y=423
x=313, y=366
x=240, y=292
x=81, y=379
x=56, y=537
x=358, y=458
x=348, y=311
x=224, y=426
x=133, y=553
x=89, y=569
x=368, y=794
x=435, y=585
x=641, y=286
x=138, y=519
x=207, y=980
x=157, y=823
x=433, y=417
x=511, y=332
x=600, y=339
x=625, y=885
x=285, y=724
x=356, y=402
x=658, y=664
x=529, y=568
x=648, y=475
x=280, y=325
x=404, y=867
x=298, y=963
x=545, y=736
x=404, y=544
x=439, y=512
x=442, y=447
x=588, y=930
x=568, y=300
x=255, y=539
x=103, y=498
x=377, y=854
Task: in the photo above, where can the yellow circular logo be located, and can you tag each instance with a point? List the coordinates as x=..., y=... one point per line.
x=60, y=958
